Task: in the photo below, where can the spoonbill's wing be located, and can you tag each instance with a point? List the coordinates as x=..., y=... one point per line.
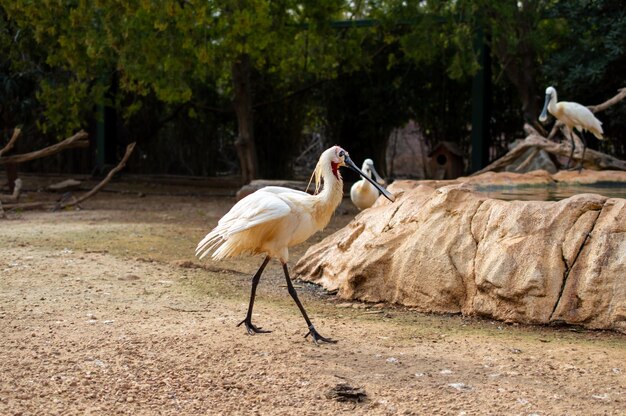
x=282, y=190
x=256, y=208
x=581, y=117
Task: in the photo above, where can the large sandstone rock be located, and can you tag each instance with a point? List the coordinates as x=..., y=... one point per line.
x=509, y=179
x=452, y=250
x=594, y=294
x=588, y=177
x=537, y=178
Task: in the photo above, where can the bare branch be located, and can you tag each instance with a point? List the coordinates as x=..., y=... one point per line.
x=529, y=129
x=77, y=140
x=611, y=101
x=9, y=145
x=555, y=129
x=120, y=166
x=522, y=166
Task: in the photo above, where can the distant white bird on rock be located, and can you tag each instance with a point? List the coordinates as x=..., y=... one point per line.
x=272, y=219
x=363, y=194
x=574, y=116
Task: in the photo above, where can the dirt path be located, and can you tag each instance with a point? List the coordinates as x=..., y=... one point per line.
x=105, y=311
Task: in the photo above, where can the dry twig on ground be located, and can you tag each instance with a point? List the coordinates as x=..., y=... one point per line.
x=75, y=201
x=15, y=196
x=95, y=189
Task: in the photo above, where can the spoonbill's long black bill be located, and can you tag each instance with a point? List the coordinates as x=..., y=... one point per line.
x=351, y=165
x=544, y=113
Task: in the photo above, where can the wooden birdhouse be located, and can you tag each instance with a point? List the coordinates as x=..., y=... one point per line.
x=446, y=161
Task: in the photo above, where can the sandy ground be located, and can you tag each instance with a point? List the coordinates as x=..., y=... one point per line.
x=105, y=311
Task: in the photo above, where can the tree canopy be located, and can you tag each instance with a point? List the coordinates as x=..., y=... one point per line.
x=251, y=75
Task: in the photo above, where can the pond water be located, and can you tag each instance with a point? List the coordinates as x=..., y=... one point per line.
x=554, y=192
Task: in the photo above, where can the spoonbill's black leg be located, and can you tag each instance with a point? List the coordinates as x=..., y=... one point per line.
x=317, y=338
x=582, y=158
x=571, y=155
x=255, y=281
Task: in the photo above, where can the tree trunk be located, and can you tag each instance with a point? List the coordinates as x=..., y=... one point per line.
x=519, y=69
x=518, y=57
x=242, y=102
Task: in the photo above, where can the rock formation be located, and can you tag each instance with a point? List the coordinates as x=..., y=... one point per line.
x=454, y=250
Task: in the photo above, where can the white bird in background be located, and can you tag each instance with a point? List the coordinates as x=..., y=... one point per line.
x=272, y=219
x=363, y=194
x=573, y=115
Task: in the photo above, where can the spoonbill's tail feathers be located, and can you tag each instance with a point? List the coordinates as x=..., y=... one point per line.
x=208, y=244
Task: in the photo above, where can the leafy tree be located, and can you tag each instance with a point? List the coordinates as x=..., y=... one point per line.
x=261, y=67
x=519, y=35
x=517, y=32
x=166, y=48
x=22, y=66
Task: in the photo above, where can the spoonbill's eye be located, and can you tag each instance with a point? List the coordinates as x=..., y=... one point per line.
x=342, y=153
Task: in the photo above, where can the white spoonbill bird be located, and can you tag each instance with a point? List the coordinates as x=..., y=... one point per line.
x=363, y=194
x=272, y=219
x=574, y=116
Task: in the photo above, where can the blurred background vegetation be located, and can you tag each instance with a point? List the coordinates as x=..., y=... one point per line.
x=223, y=87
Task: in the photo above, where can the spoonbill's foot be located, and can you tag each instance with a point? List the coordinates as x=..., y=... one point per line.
x=251, y=328
x=317, y=338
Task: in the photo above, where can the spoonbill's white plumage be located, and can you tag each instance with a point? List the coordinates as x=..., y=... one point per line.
x=574, y=116
x=272, y=219
x=363, y=194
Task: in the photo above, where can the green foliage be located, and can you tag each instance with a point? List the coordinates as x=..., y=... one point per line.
x=591, y=59
x=165, y=48
x=433, y=32
x=20, y=71
x=167, y=65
